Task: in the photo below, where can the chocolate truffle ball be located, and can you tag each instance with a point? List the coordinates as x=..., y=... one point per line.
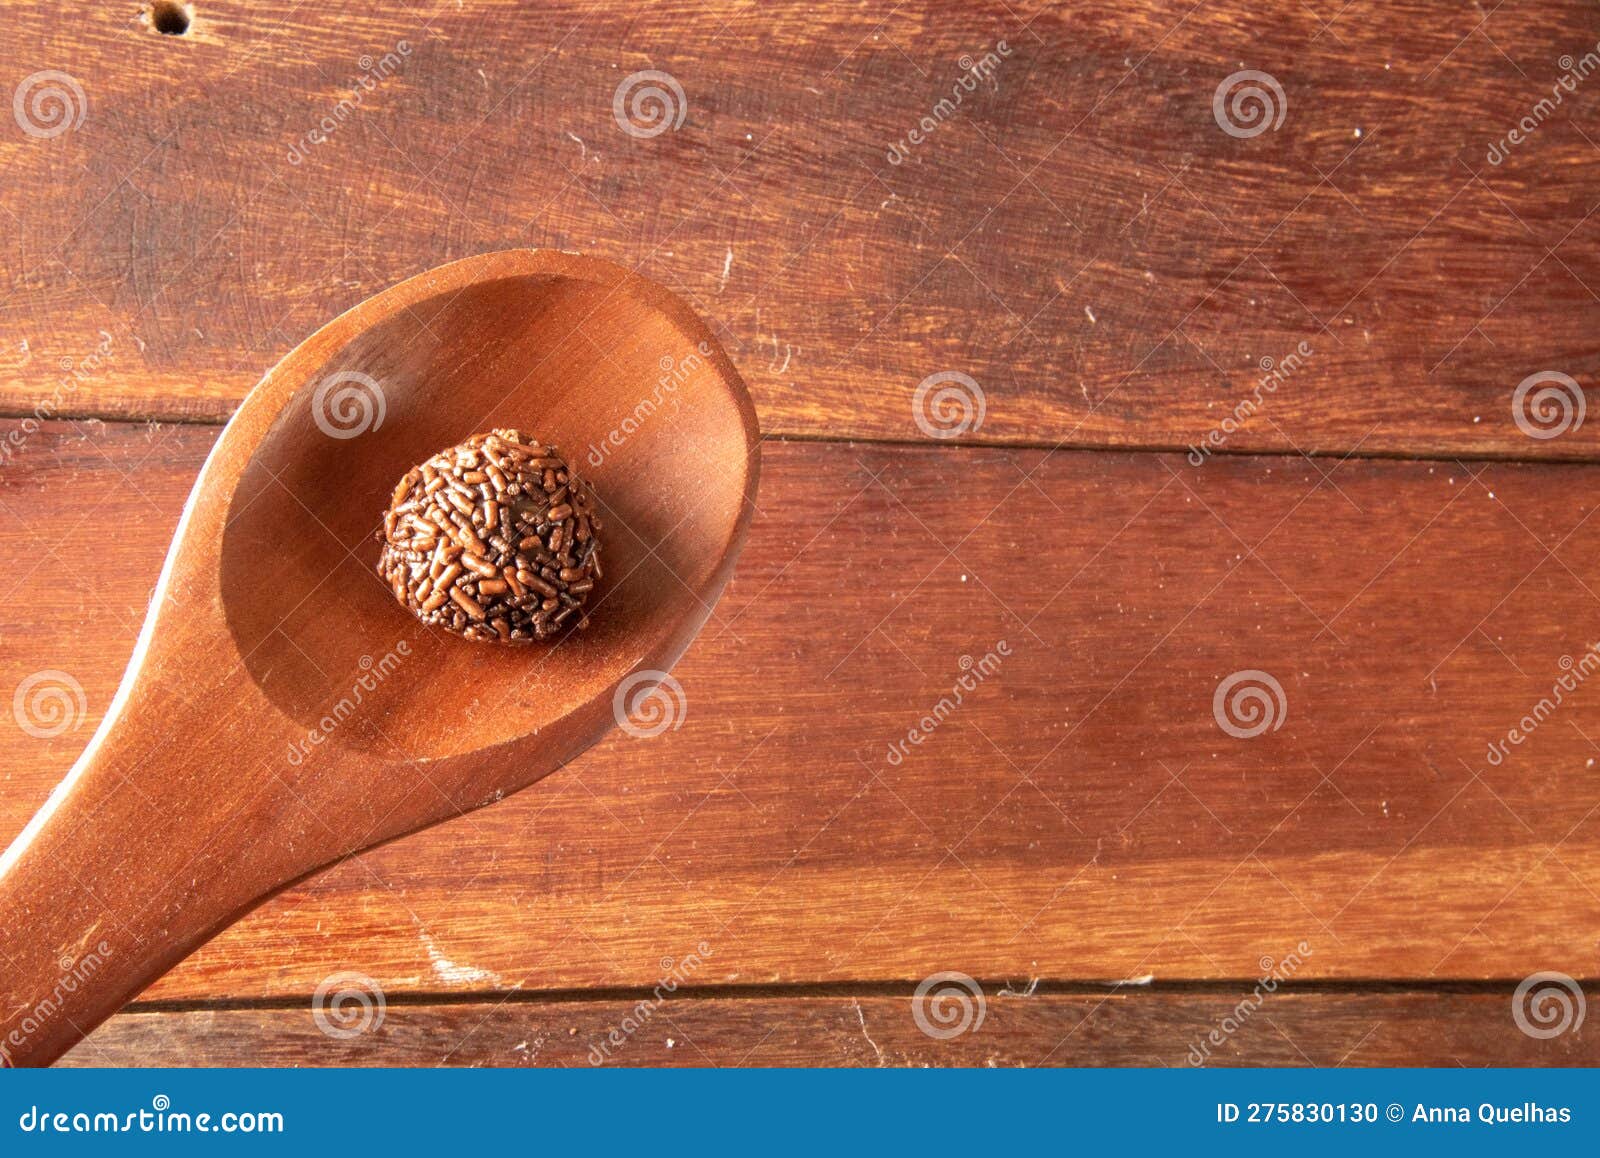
x=493, y=539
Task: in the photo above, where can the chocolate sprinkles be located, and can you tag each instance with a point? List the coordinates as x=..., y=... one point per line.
x=493, y=539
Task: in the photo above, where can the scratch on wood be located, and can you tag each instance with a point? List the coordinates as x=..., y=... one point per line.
x=862, y=1018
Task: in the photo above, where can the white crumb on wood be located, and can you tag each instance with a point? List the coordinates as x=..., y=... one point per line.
x=448, y=970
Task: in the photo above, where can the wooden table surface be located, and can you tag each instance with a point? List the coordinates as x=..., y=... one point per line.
x=1391, y=540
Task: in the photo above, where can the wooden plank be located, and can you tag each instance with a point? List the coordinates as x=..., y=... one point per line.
x=1079, y=235
x=1080, y=815
x=1122, y=1028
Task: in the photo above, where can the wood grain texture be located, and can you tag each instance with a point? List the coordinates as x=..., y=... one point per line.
x=1081, y=815
x=1121, y=1028
x=1079, y=235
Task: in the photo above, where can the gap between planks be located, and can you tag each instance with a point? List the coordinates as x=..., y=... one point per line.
x=992, y=987
x=127, y=418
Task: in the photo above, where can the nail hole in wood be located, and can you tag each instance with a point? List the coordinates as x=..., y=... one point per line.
x=170, y=18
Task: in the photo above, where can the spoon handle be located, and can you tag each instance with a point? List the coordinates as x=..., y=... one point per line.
x=71, y=958
x=153, y=843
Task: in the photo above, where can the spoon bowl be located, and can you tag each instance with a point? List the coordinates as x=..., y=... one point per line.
x=639, y=401
x=281, y=709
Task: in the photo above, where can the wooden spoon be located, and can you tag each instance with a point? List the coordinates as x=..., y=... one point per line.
x=281, y=710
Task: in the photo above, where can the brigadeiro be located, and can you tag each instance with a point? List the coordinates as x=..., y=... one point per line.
x=494, y=539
